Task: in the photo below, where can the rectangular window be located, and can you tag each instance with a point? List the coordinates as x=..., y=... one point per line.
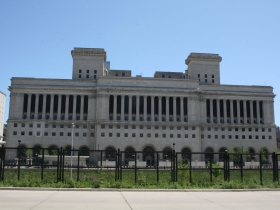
x=223, y=128
x=216, y=136
x=80, y=76
x=87, y=76
x=209, y=136
x=133, y=135
x=257, y=137
x=243, y=129
x=202, y=136
x=205, y=75
x=92, y=126
x=243, y=136
x=46, y=134
x=178, y=135
x=149, y=135
x=94, y=76
x=163, y=135
x=15, y=125
x=95, y=71
x=68, y=133
x=23, y=125
x=269, y=130
x=125, y=126
x=30, y=133
x=148, y=127
x=229, y=129
x=206, y=80
x=223, y=136
x=250, y=129
x=102, y=126
x=84, y=126
x=156, y=135
x=87, y=71
x=263, y=129
x=256, y=129
x=38, y=125
x=193, y=128
x=186, y=127
x=77, y=134
x=53, y=133
x=102, y=134
x=14, y=133
x=118, y=135
x=193, y=136
x=61, y=133
x=229, y=136
x=156, y=127
x=80, y=71
x=236, y=129
x=236, y=137
x=171, y=135
x=263, y=137
x=250, y=137
x=84, y=134
x=110, y=134
x=53, y=125
x=216, y=128
x=118, y=127
x=270, y=137
x=209, y=128
x=213, y=81
x=91, y=134
x=30, y=125
x=141, y=135
x=186, y=136
x=212, y=75
x=202, y=128
x=61, y=126
x=22, y=133
x=198, y=75
x=133, y=126
x=163, y=127
x=141, y=126
x=123, y=74
x=125, y=134
x=171, y=127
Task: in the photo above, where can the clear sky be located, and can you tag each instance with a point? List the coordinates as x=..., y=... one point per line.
x=145, y=36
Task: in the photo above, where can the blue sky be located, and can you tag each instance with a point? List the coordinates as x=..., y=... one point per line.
x=145, y=36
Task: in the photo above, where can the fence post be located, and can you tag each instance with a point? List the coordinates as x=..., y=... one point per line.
x=62, y=167
x=260, y=159
x=241, y=158
x=18, y=163
x=225, y=166
x=273, y=166
x=135, y=166
x=190, y=167
x=2, y=163
x=58, y=166
x=157, y=167
x=78, y=169
x=228, y=164
x=42, y=164
x=211, y=158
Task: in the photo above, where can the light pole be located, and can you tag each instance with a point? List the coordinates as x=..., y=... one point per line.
x=73, y=126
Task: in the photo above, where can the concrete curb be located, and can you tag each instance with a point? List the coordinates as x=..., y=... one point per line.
x=136, y=190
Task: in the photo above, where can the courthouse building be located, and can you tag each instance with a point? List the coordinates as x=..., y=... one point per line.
x=111, y=109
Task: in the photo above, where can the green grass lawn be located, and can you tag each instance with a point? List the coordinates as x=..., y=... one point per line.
x=104, y=178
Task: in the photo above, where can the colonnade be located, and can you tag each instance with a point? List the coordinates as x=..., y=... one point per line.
x=234, y=111
x=148, y=108
x=54, y=106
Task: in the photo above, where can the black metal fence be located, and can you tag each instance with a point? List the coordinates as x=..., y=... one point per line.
x=178, y=165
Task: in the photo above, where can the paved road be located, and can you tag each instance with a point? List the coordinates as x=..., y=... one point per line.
x=136, y=200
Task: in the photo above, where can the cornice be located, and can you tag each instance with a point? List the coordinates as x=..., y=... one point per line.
x=203, y=57
x=97, y=52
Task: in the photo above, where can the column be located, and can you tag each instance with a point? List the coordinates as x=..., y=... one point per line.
x=28, y=106
x=137, y=108
x=59, y=108
x=74, y=107
x=159, y=109
x=122, y=107
x=211, y=110
x=251, y=112
x=152, y=108
x=167, y=108
x=174, y=110
x=231, y=112
x=244, y=112
x=66, y=107
x=225, y=110
x=82, y=107
x=44, y=106
x=130, y=108
x=115, y=108
x=182, y=108
x=218, y=111
x=51, y=110
x=258, y=111
x=145, y=108
x=36, y=106
x=238, y=111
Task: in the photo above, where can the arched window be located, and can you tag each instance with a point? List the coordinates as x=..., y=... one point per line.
x=21, y=153
x=148, y=155
x=251, y=154
x=84, y=151
x=67, y=150
x=129, y=154
x=208, y=155
x=53, y=150
x=110, y=153
x=37, y=150
x=264, y=154
x=222, y=153
x=186, y=155
x=167, y=153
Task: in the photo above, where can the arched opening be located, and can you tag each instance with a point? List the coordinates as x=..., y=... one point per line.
x=84, y=151
x=21, y=153
x=148, y=155
x=222, y=153
x=264, y=154
x=67, y=150
x=110, y=153
x=186, y=155
x=129, y=155
x=251, y=156
x=167, y=153
x=208, y=154
x=53, y=150
x=37, y=150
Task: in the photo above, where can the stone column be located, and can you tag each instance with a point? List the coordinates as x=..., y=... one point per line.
x=59, y=107
x=244, y=112
x=52, y=103
x=182, y=109
x=258, y=111
x=225, y=110
x=82, y=107
x=152, y=108
x=66, y=107
x=122, y=107
x=211, y=110
x=174, y=110
x=137, y=108
x=28, y=106
x=159, y=109
x=251, y=112
x=44, y=107
x=231, y=112
x=238, y=111
x=115, y=108
x=130, y=108
x=36, y=106
x=167, y=108
x=218, y=111
x=74, y=107
x=145, y=108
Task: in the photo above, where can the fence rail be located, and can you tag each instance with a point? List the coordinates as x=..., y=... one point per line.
x=121, y=161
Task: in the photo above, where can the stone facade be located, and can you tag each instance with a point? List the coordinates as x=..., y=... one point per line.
x=2, y=113
x=111, y=109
